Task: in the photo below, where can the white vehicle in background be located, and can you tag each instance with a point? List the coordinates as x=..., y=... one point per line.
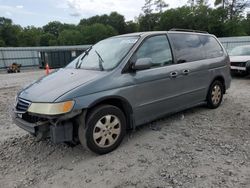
x=240, y=60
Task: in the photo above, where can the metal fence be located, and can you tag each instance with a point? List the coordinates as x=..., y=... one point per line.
x=25, y=57
x=31, y=56
x=230, y=42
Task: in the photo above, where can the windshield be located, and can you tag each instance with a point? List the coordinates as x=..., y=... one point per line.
x=240, y=51
x=105, y=55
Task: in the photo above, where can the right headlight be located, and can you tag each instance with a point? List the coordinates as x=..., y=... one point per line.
x=51, y=108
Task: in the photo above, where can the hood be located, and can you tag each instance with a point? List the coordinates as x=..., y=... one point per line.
x=49, y=88
x=239, y=58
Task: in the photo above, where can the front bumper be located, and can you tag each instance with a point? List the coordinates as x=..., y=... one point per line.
x=237, y=68
x=240, y=66
x=30, y=127
x=58, y=129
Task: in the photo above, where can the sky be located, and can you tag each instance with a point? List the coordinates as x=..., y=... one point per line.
x=40, y=12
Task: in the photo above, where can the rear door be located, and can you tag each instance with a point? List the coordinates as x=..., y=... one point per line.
x=193, y=66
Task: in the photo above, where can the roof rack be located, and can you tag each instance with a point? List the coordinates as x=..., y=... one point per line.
x=188, y=30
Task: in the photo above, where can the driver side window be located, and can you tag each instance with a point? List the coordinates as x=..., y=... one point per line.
x=157, y=48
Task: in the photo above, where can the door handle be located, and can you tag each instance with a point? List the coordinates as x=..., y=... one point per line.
x=185, y=72
x=173, y=74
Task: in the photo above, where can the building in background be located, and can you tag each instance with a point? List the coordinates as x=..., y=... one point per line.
x=55, y=56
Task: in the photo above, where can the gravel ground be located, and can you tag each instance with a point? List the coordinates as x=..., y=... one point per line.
x=195, y=148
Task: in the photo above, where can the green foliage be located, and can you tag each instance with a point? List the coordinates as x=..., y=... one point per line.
x=5, y=21
x=160, y=5
x=47, y=39
x=246, y=25
x=176, y=18
x=149, y=22
x=114, y=19
x=9, y=33
x=69, y=37
x=225, y=19
x=131, y=27
x=53, y=28
x=2, y=43
x=29, y=36
x=96, y=32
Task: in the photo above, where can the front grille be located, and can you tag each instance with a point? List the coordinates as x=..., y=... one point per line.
x=22, y=105
x=238, y=64
x=30, y=118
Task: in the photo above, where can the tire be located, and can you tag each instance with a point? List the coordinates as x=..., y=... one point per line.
x=105, y=129
x=215, y=94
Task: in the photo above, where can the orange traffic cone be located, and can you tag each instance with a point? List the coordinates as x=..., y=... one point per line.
x=47, y=69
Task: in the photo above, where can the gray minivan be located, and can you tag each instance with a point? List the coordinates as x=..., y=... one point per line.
x=123, y=82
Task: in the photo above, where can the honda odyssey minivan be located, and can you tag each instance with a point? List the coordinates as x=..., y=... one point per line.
x=123, y=82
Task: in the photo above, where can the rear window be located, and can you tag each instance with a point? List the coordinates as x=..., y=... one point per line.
x=187, y=47
x=211, y=47
x=192, y=47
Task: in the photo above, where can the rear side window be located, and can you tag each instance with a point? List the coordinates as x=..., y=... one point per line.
x=211, y=47
x=158, y=49
x=187, y=47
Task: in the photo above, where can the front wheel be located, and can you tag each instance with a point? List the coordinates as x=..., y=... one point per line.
x=215, y=94
x=105, y=129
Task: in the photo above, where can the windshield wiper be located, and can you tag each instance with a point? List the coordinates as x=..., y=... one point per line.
x=100, y=61
x=86, y=53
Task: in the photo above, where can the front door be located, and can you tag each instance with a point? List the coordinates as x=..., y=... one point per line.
x=157, y=88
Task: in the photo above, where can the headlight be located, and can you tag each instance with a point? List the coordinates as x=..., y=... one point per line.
x=51, y=108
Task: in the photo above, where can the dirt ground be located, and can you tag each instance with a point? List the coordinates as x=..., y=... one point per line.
x=195, y=148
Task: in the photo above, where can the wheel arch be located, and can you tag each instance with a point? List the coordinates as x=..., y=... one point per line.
x=222, y=80
x=119, y=102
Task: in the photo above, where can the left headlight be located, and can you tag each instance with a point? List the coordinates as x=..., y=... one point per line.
x=51, y=108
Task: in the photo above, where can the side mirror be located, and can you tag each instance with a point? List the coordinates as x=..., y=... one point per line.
x=142, y=64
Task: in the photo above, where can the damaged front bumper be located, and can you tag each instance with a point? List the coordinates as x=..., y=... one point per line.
x=240, y=66
x=58, y=128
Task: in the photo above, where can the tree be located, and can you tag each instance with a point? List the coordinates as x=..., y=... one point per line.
x=53, y=28
x=70, y=37
x=201, y=2
x=96, y=32
x=47, y=39
x=117, y=21
x=114, y=19
x=2, y=43
x=102, y=19
x=160, y=5
x=147, y=8
x=181, y=17
x=5, y=21
x=148, y=22
x=131, y=27
x=29, y=36
x=218, y=2
x=234, y=7
x=9, y=33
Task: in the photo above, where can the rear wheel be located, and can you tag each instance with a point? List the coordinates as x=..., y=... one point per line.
x=105, y=129
x=215, y=94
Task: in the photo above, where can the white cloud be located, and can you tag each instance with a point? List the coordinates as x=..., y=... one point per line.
x=19, y=6
x=13, y=10
x=87, y=8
